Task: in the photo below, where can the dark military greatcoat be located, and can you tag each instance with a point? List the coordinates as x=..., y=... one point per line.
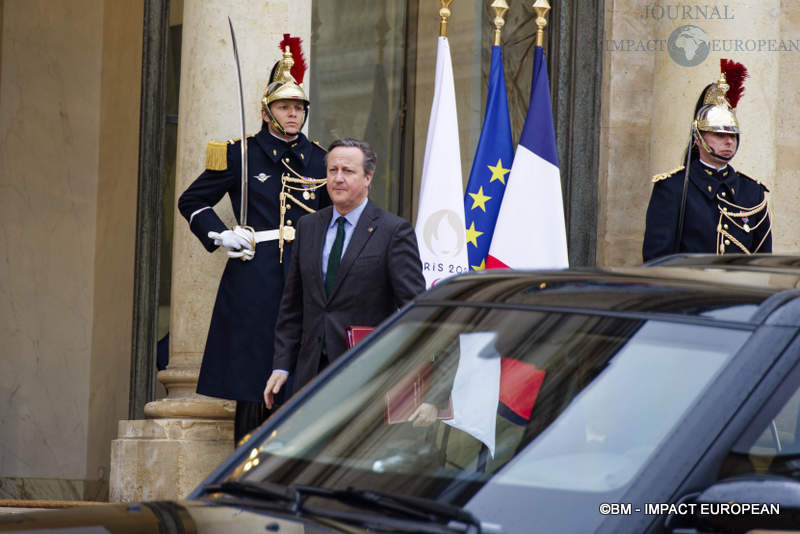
x=726, y=213
x=238, y=352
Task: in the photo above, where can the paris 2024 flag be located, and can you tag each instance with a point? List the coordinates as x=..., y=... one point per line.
x=530, y=231
x=441, y=236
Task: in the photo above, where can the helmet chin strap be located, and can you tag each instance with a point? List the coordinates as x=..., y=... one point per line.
x=277, y=125
x=699, y=138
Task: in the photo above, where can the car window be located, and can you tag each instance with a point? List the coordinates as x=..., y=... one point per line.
x=624, y=414
x=771, y=445
x=524, y=406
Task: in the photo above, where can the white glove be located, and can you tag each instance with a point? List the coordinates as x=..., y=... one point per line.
x=230, y=239
x=238, y=241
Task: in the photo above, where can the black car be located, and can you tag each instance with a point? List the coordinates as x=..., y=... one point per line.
x=647, y=399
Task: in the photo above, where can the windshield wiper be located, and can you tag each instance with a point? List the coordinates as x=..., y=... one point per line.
x=261, y=490
x=409, y=507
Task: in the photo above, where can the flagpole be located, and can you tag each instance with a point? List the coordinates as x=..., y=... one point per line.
x=500, y=7
x=526, y=238
x=541, y=7
x=444, y=12
x=440, y=228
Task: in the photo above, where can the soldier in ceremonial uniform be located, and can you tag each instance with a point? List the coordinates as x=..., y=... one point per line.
x=238, y=351
x=711, y=207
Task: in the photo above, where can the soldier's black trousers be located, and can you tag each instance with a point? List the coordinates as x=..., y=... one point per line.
x=249, y=416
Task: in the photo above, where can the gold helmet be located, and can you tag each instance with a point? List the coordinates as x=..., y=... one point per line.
x=282, y=84
x=717, y=115
x=717, y=111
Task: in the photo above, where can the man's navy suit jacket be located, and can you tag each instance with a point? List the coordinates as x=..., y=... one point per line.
x=380, y=272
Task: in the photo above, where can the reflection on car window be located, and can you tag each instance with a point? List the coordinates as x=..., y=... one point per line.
x=772, y=444
x=511, y=399
x=739, y=312
x=615, y=423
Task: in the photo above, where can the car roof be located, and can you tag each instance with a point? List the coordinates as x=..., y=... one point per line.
x=700, y=290
x=738, y=262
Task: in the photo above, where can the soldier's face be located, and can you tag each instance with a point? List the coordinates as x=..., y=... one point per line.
x=289, y=113
x=348, y=184
x=724, y=144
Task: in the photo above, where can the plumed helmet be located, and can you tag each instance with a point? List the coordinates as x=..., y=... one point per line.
x=714, y=111
x=716, y=114
x=286, y=78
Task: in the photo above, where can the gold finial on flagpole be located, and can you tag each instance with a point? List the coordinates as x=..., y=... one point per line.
x=500, y=7
x=541, y=7
x=445, y=14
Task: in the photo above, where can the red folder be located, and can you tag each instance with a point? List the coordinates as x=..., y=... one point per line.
x=406, y=396
x=354, y=334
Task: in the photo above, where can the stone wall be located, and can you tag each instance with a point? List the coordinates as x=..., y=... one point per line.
x=648, y=101
x=68, y=160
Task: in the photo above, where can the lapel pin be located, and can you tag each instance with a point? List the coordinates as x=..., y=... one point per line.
x=370, y=229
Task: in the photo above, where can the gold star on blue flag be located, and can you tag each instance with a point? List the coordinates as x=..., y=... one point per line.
x=490, y=168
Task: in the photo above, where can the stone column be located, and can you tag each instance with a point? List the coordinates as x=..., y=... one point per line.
x=188, y=434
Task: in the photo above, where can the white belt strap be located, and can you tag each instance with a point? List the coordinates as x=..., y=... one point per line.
x=267, y=235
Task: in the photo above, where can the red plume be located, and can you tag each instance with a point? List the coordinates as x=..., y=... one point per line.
x=735, y=74
x=299, y=68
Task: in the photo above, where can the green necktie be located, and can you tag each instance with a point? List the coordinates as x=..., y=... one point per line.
x=335, y=257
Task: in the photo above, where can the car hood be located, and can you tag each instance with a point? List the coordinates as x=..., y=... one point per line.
x=163, y=517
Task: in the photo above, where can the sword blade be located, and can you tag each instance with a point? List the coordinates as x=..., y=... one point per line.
x=243, y=143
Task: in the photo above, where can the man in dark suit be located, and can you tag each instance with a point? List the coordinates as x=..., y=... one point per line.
x=353, y=263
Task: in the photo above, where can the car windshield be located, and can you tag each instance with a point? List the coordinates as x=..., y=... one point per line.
x=513, y=409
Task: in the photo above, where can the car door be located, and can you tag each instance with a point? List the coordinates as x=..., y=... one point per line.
x=688, y=461
x=756, y=460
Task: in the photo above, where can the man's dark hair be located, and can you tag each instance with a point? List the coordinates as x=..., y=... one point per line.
x=370, y=158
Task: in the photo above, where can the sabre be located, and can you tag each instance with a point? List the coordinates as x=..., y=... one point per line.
x=242, y=145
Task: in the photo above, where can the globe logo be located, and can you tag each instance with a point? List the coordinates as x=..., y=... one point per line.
x=688, y=46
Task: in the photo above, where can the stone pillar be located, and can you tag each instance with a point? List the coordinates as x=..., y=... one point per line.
x=188, y=434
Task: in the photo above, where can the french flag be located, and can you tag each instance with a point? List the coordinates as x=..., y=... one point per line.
x=530, y=231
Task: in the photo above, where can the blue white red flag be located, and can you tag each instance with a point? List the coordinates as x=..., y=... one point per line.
x=490, y=168
x=530, y=231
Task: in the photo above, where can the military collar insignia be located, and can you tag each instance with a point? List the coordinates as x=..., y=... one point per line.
x=262, y=177
x=277, y=149
x=710, y=181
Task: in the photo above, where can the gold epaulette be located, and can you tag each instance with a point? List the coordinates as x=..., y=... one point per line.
x=665, y=175
x=217, y=156
x=743, y=175
x=319, y=145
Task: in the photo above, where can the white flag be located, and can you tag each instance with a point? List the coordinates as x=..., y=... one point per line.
x=440, y=215
x=476, y=387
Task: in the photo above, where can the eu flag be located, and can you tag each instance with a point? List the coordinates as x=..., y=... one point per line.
x=490, y=168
